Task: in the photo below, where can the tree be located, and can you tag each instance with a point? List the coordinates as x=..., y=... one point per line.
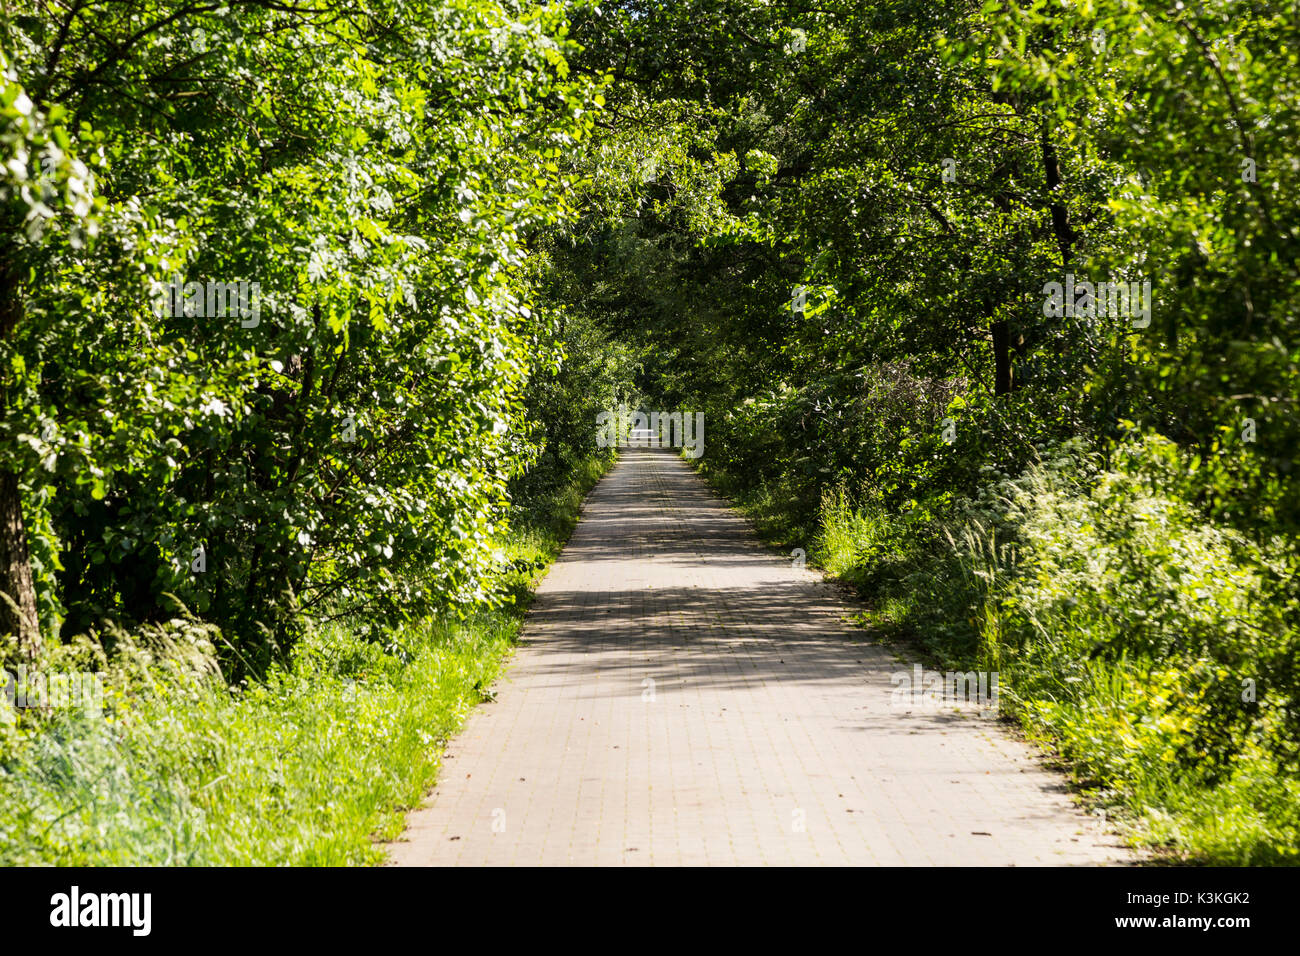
x=340, y=442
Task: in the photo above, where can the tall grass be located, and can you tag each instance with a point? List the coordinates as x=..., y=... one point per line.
x=305, y=768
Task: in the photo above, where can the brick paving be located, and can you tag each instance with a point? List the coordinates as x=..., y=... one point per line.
x=683, y=696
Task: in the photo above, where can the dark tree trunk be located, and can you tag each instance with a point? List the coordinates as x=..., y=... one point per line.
x=17, y=591
x=1006, y=347
x=1002, y=383
x=1056, y=205
x=19, y=617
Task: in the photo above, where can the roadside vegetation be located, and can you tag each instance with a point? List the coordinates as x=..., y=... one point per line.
x=842, y=248
x=286, y=435
x=307, y=313
x=313, y=764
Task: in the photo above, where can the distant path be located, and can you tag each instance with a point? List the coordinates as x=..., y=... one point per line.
x=769, y=737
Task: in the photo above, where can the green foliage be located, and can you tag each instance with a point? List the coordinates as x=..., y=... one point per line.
x=378, y=170
x=478, y=223
x=317, y=478
x=1191, y=115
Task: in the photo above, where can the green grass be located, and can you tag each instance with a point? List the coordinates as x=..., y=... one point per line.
x=313, y=766
x=304, y=768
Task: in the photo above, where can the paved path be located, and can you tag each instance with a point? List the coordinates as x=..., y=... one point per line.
x=767, y=736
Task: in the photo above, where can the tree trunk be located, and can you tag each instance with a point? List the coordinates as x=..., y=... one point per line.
x=19, y=617
x=1002, y=383
x=17, y=592
x=1006, y=347
x=1056, y=203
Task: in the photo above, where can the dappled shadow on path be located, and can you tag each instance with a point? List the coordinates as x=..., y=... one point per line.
x=663, y=581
